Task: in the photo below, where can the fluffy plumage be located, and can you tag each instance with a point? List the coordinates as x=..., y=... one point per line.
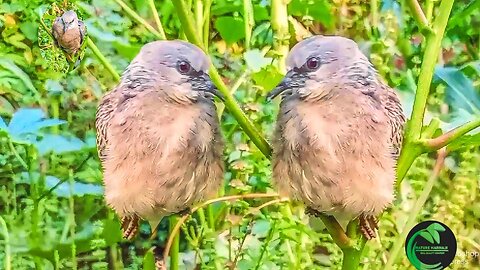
x=339, y=132
x=69, y=32
x=158, y=136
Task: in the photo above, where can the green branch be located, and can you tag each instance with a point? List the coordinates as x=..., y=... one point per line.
x=139, y=19
x=151, y=3
x=452, y=135
x=412, y=146
x=418, y=14
x=102, y=59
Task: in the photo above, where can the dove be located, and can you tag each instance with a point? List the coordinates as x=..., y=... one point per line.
x=69, y=32
x=338, y=133
x=158, y=135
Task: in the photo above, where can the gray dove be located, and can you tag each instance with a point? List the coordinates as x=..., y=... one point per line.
x=338, y=132
x=69, y=32
x=158, y=136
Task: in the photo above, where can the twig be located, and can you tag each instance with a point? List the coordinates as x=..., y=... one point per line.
x=452, y=135
x=182, y=220
x=151, y=3
x=102, y=59
x=397, y=246
x=139, y=19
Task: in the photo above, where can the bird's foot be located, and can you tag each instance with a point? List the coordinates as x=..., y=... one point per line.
x=159, y=260
x=184, y=212
x=368, y=226
x=312, y=212
x=130, y=226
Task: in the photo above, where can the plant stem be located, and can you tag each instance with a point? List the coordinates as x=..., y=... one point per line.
x=198, y=13
x=418, y=14
x=6, y=237
x=412, y=148
x=175, y=246
x=230, y=103
x=102, y=59
x=174, y=231
x=398, y=244
x=248, y=21
x=336, y=231
x=151, y=3
x=139, y=19
x=430, y=57
x=280, y=27
x=206, y=22
x=351, y=257
x=452, y=135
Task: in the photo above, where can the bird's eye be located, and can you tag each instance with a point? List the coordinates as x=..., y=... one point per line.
x=184, y=67
x=313, y=63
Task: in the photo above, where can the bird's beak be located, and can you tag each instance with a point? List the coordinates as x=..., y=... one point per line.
x=210, y=87
x=284, y=85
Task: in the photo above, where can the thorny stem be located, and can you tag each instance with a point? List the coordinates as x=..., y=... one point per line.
x=397, y=246
x=412, y=147
x=430, y=57
x=230, y=103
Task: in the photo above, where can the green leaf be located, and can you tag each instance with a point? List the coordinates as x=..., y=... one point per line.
x=319, y=10
x=29, y=121
x=268, y=77
x=465, y=141
x=427, y=236
x=230, y=28
x=30, y=30
x=255, y=60
x=261, y=228
x=59, y=144
x=19, y=73
x=460, y=90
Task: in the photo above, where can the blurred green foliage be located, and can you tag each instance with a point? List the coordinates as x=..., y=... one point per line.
x=50, y=177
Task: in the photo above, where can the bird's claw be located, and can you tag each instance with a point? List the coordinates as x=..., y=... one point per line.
x=130, y=226
x=184, y=212
x=368, y=226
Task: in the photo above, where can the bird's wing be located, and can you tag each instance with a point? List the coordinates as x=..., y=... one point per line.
x=104, y=114
x=83, y=31
x=396, y=119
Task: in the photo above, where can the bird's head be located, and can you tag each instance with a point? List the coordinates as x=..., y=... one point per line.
x=317, y=59
x=176, y=68
x=69, y=20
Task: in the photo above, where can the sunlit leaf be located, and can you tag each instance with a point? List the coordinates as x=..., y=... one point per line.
x=230, y=28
